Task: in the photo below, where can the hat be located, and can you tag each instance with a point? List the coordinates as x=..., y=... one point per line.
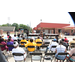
x=15, y=43
x=54, y=40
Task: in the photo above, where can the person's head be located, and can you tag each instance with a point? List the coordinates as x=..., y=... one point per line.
x=9, y=39
x=23, y=38
x=31, y=40
x=54, y=40
x=38, y=37
x=63, y=40
x=15, y=44
x=1, y=40
x=14, y=35
x=60, y=42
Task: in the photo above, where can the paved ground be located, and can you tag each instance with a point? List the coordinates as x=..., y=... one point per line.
x=11, y=59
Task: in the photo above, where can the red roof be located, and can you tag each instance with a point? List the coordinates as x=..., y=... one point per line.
x=35, y=28
x=52, y=25
x=71, y=27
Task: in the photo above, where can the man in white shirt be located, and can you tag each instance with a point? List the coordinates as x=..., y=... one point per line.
x=60, y=49
x=14, y=38
x=17, y=49
x=54, y=43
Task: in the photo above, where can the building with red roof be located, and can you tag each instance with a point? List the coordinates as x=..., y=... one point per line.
x=54, y=28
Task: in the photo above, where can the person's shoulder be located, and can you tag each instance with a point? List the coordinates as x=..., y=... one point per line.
x=63, y=46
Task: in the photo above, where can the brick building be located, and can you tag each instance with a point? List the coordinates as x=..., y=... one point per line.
x=54, y=28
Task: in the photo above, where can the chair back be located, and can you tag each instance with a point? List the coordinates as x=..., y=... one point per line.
x=39, y=42
x=47, y=42
x=63, y=53
x=23, y=42
x=10, y=45
x=35, y=53
x=73, y=54
x=53, y=46
x=49, y=53
x=18, y=54
x=31, y=47
x=72, y=45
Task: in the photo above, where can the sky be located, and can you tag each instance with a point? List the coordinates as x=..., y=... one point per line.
x=34, y=18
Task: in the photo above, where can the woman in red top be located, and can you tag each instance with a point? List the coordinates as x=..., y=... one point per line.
x=4, y=45
x=66, y=40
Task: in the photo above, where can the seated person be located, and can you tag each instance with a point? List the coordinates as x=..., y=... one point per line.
x=60, y=49
x=11, y=38
x=4, y=45
x=73, y=41
x=23, y=40
x=31, y=44
x=66, y=40
x=10, y=43
x=71, y=58
x=14, y=38
x=46, y=40
x=17, y=49
x=54, y=43
x=65, y=44
x=38, y=42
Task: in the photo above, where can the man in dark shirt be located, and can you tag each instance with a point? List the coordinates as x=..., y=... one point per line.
x=65, y=44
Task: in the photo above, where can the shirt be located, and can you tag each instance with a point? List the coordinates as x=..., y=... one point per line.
x=4, y=47
x=60, y=48
x=19, y=50
x=14, y=38
x=53, y=44
x=38, y=40
x=71, y=52
x=66, y=40
x=10, y=43
x=23, y=41
x=31, y=44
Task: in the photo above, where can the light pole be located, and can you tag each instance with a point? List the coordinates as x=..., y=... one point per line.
x=8, y=20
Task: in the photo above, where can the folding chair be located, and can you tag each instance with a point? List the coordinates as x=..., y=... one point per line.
x=43, y=48
x=72, y=45
x=47, y=43
x=18, y=54
x=65, y=53
x=36, y=56
x=23, y=42
x=29, y=51
x=50, y=56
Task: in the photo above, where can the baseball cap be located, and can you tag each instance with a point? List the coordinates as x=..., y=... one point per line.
x=54, y=40
x=15, y=43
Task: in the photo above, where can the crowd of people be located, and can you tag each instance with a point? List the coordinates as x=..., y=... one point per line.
x=34, y=44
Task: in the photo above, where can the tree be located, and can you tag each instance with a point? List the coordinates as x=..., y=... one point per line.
x=16, y=26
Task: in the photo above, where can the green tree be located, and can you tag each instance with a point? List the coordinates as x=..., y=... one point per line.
x=16, y=26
